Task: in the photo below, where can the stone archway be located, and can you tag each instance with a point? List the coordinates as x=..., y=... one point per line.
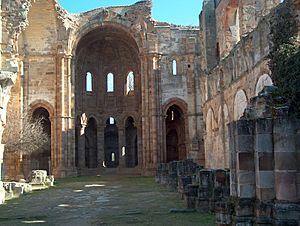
x=109, y=53
x=41, y=159
x=131, y=148
x=91, y=144
x=111, y=144
x=240, y=104
x=175, y=134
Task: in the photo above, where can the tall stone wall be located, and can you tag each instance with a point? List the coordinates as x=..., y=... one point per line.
x=264, y=171
x=227, y=88
x=50, y=73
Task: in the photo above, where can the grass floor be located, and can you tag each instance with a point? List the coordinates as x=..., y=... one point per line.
x=104, y=200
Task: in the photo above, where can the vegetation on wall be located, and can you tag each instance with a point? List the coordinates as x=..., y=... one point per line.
x=285, y=58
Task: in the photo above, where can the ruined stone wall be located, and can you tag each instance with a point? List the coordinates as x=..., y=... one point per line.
x=264, y=170
x=236, y=18
x=227, y=88
x=52, y=77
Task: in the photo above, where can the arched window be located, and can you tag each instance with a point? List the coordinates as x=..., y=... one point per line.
x=110, y=83
x=130, y=83
x=113, y=157
x=111, y=121
x=89, y=82
x=174, y=67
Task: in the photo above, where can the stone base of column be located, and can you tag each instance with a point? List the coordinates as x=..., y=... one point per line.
x=2, y=193
x=286, y=213
x=64, y=172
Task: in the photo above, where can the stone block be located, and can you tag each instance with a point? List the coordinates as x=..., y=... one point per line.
x=2, y=193
x=245, y=143
x=263, y=213
x=246, y=177
x=285, y=184
x=286, y=161
x=38, y=177
x=264, y=143
x=283, y=126
x=265, y=194
x=223, y=218
x=244, y=207
x=286, y=213
x=264, y=161
x=246, y=191
x=221, y=178
x=246, y=161
x=284, y=142
x=264, y=126
x=206, y=178
x=265, y=179
x=244, y=127
x=190, y=196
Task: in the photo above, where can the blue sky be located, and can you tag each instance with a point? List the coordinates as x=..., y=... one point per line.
x=181, y=12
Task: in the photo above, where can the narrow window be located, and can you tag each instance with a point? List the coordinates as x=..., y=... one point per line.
x=110, y=82
x=172, y=116
x=111, y=121
x=113, y=157
x=89, y=82
x=174, y=67
x=130, y=82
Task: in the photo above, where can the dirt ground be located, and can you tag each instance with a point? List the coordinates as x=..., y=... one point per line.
x=107, y=200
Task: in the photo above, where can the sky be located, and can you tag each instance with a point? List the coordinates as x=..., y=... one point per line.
x=180, y=12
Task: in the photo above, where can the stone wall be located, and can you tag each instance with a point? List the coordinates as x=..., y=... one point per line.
x=202, y=189
x=54, y=57
x=227, y=88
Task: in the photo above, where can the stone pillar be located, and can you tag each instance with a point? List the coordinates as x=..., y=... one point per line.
x=1, y=162
x=232, y=160
x=286, y=209
x=264, y=170
x=285, y=160
x=264, y=159
x=245, y=159
x=122, y=143
x=100, y=145
x=81, y=142
x=245, y=171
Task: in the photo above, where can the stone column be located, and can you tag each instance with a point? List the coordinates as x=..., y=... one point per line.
x=264, y=170
x=81, y=142
x=122, y=160
x=7, y=80
x=100, y=145
x=245, y=170
x=285, y=160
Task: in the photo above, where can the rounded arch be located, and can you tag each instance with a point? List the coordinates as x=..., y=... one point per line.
x=42, y=104
x=264, y=80
x=175, y=132
x=240, y=104
x=92, y=116
x=175, y=101
x=97, y=25
x=91, y=143
x=134, y=115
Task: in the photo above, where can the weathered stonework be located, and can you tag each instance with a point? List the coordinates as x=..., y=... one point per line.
x=123, y=93
x=55, y=52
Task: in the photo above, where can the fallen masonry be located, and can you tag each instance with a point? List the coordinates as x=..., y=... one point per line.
x=38, y=180
x=209, y=190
